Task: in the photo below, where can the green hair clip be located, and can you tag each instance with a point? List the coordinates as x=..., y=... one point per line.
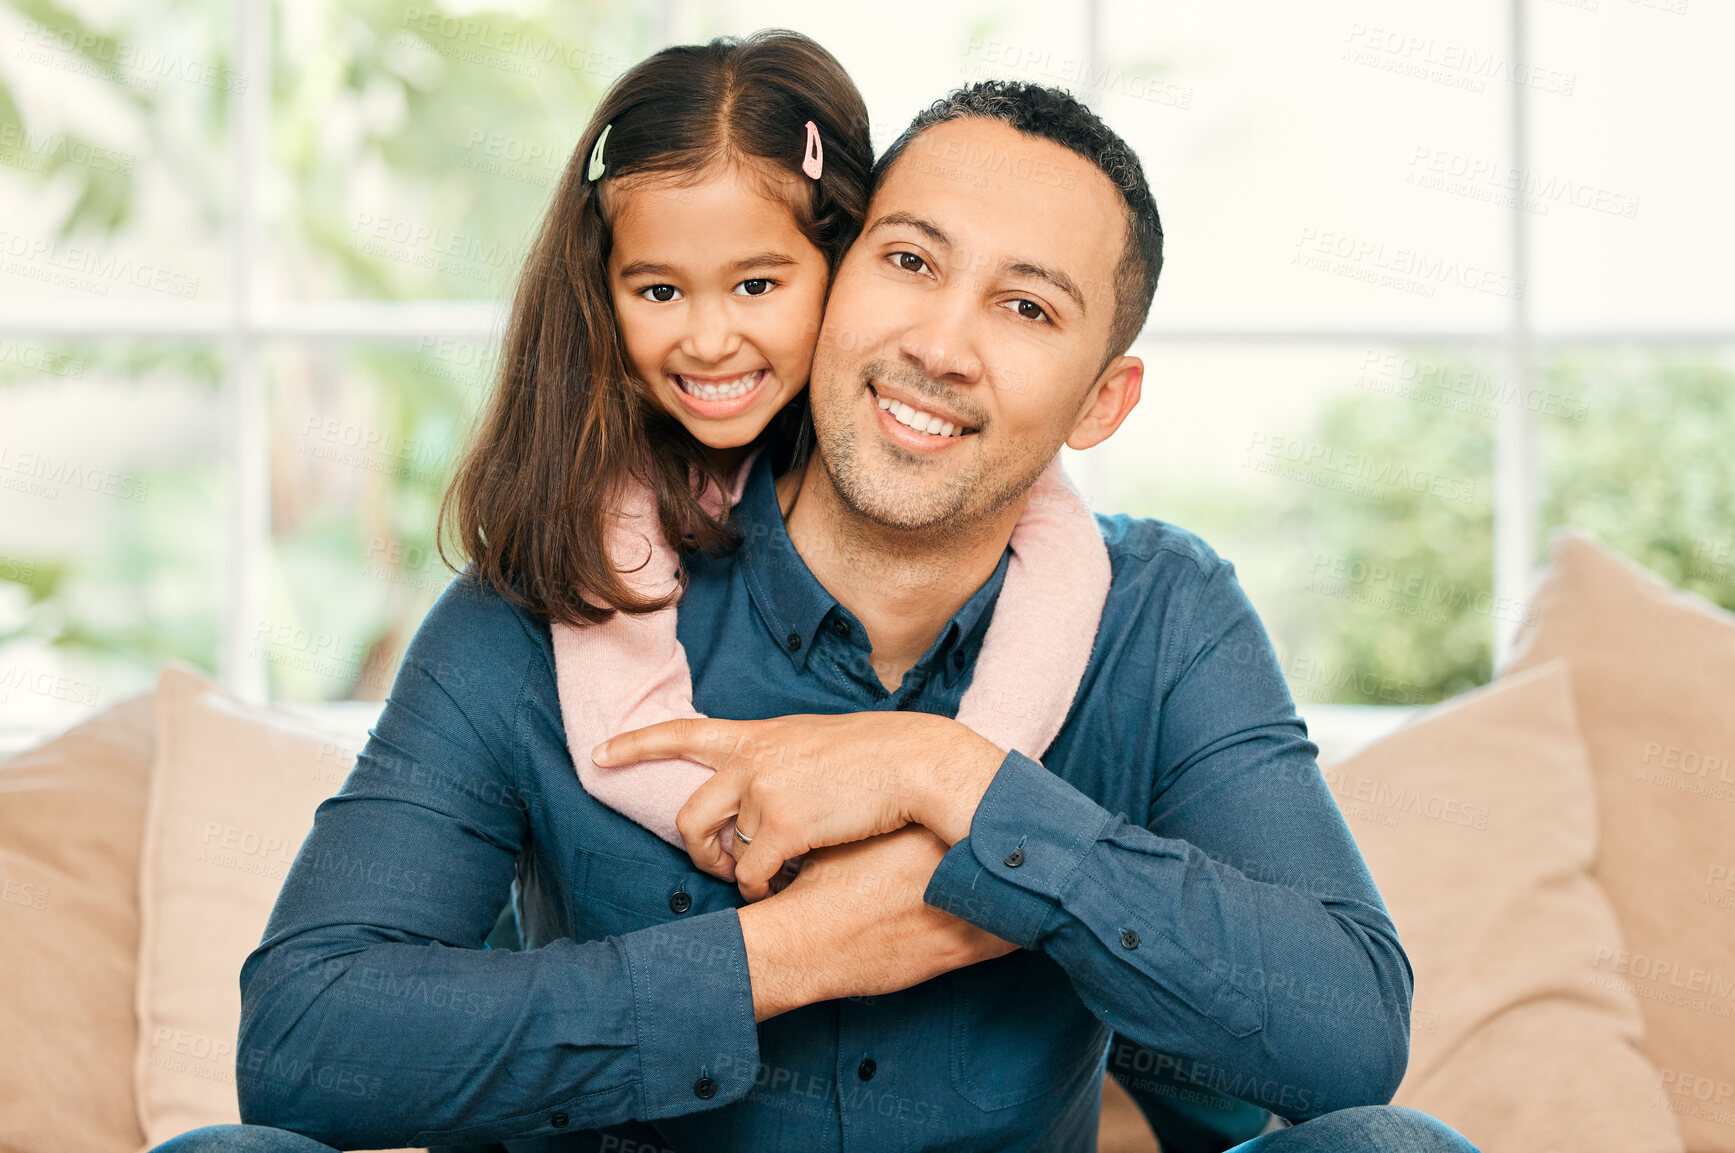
x=596, y=165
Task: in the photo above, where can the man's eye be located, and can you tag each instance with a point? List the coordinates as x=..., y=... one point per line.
x=759, y=286
x=1029, y=310
x=661, y=293
x=909, y=261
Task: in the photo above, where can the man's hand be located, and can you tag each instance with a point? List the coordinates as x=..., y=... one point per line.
x=803, y=782
x=853, y=923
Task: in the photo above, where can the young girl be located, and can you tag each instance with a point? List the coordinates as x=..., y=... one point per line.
x=661, y=340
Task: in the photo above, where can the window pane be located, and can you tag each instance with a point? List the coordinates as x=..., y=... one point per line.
x=113, y=174
x=363, y=442
x=415, y=148
x=1350, y=486
x=1648, y=468
x=1291, y=149
x=1627, y=191
x=899, y=74
x=111, y=522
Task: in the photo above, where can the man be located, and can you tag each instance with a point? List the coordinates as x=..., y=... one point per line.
x=1171, y=892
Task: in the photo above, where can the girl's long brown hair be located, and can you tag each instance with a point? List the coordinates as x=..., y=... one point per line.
x=568, y=424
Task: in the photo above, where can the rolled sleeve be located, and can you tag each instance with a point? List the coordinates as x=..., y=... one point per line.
x=1030, y=834
x=698, y=1041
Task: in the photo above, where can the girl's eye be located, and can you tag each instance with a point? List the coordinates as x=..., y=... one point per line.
x=1029, y=310
x=910, y=262
x=759, y=286
x=661, y=293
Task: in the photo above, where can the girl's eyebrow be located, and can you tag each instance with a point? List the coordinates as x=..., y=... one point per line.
x=647, y=268
x=766, y=260
x=758, y=260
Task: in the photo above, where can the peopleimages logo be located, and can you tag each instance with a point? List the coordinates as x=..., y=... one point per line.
x=1445, y=170
x=1397, y=266
x=1688, y=978
x=85, y=269
x=140, y=65
x=34, y=151
x=1303, y=454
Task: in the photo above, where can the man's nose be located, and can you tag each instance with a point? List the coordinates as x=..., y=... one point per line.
x=941, y=340
x=713, y=336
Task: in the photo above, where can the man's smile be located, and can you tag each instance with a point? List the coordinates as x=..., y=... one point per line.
x=913, y=419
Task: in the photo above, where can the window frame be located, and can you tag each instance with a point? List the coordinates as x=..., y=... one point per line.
x=243, y=325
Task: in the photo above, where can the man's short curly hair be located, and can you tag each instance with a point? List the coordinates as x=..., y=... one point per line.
x=1054, y=114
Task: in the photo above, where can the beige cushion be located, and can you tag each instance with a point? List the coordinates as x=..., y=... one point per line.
x=70, y=814
x=232, y=797
x=1478, y=822
x=1653, y=676
x=1122, y=1128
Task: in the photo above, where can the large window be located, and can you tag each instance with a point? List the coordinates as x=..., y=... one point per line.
x=1439, y=278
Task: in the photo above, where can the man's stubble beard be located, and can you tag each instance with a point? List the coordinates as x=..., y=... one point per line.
x=888, y=495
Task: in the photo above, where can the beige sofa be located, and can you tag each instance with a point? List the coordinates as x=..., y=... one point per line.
x=1557, y=850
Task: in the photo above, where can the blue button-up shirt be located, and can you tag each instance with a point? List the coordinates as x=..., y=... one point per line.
x=1192, y=912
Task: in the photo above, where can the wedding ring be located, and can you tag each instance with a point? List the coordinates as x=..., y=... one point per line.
x=743, y=837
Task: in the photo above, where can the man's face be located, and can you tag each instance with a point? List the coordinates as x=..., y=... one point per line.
x=980, y=293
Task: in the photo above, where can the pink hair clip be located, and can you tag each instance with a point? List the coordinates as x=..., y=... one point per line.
x=814, y=162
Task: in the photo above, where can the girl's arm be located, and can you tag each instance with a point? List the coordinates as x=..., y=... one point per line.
x=1044, y=625
x=631, y=671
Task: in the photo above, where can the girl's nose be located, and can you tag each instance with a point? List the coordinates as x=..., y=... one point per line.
x=713, y=337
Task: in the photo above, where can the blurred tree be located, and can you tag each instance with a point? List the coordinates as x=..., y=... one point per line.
x=1634, y=448
x=1403, y=590
x=1650, y=469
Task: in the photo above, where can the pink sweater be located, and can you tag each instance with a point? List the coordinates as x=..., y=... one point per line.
x=631, y=671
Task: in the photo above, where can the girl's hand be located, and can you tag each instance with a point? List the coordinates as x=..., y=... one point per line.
x=802, y=782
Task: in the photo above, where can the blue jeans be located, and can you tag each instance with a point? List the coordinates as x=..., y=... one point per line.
x=1384, y=1128
x=241, y=1139
x=1364, y=1129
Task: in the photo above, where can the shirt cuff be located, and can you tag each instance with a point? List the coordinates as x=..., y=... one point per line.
x=693, y=1003
x=1028, y=837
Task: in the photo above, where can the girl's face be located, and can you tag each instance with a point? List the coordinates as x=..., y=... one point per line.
x=718, y=296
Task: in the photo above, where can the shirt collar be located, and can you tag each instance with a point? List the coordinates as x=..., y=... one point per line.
x=794, y=605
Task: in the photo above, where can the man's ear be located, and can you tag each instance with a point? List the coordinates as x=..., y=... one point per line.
x=1110, y=400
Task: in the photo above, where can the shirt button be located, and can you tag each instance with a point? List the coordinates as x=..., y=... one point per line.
x=704, y=1088
x=679, y=902
x=559, y=1120
x=1015, y=858
x=792, y=642
x=1129, y=940
x=866, y=1069
x=840, y=628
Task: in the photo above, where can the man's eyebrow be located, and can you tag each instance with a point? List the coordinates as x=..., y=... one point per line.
x=1052, y=276
x=908, y=220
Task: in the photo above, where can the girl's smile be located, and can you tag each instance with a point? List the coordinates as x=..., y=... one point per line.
x=719, y=397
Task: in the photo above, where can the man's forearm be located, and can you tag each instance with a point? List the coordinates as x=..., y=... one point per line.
x=955, y=785
x=855, y=923
x=785, y=963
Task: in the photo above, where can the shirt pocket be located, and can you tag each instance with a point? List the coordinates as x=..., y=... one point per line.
x=613, y=894
x=1019, y=1031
